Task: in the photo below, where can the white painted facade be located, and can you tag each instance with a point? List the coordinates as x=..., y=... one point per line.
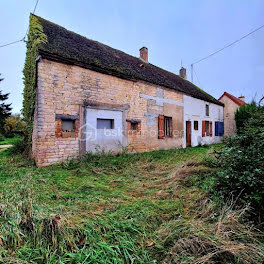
x=103, y=139
x=195, y=110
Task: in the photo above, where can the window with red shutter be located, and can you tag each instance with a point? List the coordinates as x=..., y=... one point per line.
x=211, y=128
x=161, y=126
x=203, y=128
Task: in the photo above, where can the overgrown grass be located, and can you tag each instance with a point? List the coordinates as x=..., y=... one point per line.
x=130, y=208
x=11, y=140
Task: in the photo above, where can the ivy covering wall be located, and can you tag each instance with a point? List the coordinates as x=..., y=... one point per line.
x=36, y=37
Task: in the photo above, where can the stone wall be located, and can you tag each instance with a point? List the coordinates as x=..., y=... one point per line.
x=229, y=116
x=63, y=89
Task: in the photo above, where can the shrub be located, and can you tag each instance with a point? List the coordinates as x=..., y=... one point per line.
x=243, y=114
x=241, y=165
x=13, y=125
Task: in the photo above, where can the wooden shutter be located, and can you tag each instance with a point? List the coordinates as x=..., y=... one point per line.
x=161, y=126
x=203, y=128
x=217, y=128
x=211, y=128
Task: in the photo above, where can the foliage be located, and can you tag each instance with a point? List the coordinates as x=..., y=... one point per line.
x=240, y=166
x=5, y=109
x=35, y=38
x=18, y=145
x=243, y=114
x=10, y=140
x=14, y=125
x=137, y=208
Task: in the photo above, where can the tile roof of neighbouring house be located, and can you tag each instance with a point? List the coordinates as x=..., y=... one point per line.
x=233, y=98
x=68, y=47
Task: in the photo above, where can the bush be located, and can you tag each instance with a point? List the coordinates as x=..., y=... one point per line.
x=243, y=114
x=13, y=125
x=241, y=165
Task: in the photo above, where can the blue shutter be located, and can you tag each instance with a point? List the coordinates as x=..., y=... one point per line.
x=221, y=128
x=216, y=128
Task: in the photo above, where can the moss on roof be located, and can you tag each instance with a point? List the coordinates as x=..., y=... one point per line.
x=67, y=45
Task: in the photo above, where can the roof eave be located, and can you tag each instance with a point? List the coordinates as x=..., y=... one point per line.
x=57, y=58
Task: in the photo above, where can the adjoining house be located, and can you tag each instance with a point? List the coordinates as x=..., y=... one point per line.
x=232, y=103
x=91, y=97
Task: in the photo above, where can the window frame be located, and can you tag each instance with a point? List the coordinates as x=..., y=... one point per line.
x=207, y=110
x=59, y=133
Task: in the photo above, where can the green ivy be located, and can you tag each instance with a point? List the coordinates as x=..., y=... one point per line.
x=36, y=37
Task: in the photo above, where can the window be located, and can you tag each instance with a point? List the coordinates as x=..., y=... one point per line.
x=207, y=128
x=105, y=123
x=207, y=110
x=68, y=125
x=195, y=125
x=134, y=126
x=165, y=126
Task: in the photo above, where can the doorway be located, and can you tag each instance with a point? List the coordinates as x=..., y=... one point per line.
x=188, y=134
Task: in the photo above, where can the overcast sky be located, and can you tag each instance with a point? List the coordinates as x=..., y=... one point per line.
x=173, y=30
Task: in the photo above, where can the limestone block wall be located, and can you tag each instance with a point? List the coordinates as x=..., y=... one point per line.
x=229, y=116
x=63, y=90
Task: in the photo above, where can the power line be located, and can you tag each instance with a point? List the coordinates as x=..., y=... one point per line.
x=33, y=14
x=197, y=78
x=11, y=43
x=225, y=47
x=23, y=39
x=229, y=45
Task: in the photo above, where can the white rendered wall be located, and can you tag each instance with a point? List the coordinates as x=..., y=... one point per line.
x=194, y=110
x=104, y=139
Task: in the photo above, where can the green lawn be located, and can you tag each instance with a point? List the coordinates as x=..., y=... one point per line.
x=132, y=208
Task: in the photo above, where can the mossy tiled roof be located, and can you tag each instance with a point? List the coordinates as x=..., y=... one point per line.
x=66, y=46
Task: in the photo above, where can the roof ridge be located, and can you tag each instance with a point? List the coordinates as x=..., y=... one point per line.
x=68, y=45
x=233, y=98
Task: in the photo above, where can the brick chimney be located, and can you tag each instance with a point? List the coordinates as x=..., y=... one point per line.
x=144, y=54
x=242, y=98
x=183, y=73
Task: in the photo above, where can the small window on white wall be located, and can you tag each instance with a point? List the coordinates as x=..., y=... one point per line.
x=195, y=125
x=105, y=123
x=207, y=110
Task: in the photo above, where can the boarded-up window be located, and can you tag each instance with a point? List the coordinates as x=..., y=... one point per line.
x=105, y=123
x=68, y=125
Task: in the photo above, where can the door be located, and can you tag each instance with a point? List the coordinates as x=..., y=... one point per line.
x=104, y=130
x=188, y=134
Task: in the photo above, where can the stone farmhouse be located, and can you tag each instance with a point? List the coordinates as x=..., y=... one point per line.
x=91, y=97
x=232, y=103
